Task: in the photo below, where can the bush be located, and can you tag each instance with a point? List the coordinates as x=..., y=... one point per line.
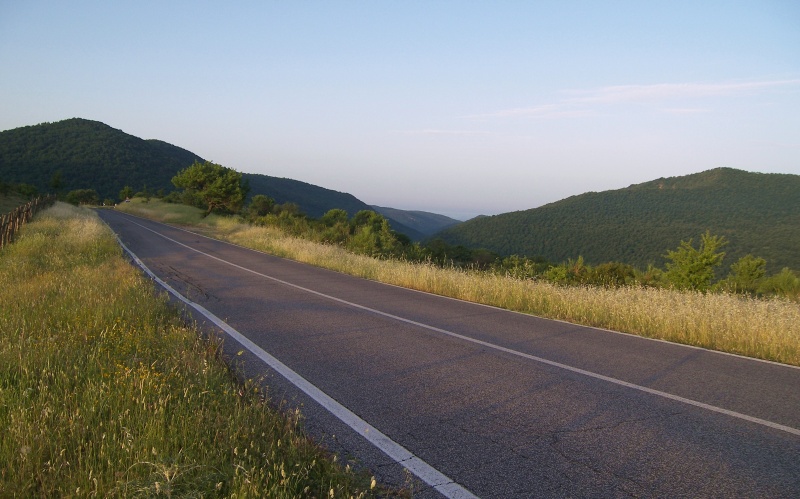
x=611, y=274
x=83, y=196
x=746, y=275
x=785, y=284
x=260, y=206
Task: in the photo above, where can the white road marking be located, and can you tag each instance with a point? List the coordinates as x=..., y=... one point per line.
x=677, y=398
x=424, y=471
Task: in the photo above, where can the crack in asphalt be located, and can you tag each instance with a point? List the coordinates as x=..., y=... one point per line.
x=194, y=290
x=556, y=440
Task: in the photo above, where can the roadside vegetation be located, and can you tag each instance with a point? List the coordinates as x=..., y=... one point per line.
x=104, y=391
x=220, y=190
x=761, y=327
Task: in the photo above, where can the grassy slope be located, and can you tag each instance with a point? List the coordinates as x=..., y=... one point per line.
x=104, y=391
x=766, y=329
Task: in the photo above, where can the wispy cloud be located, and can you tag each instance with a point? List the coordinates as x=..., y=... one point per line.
x=560, y=110
x=434, y=131
x=577, y=103
x=668, y=91
x=684, y=110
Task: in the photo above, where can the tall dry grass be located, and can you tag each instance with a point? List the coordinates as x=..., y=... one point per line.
x=105, y=392
x=767, y=329
x=762, y=328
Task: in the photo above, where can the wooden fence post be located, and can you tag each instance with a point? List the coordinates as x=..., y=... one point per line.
x=11, y=223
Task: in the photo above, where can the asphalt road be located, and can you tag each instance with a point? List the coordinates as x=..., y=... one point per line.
x=500, y=403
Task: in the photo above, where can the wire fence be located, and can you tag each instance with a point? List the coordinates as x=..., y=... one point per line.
x=12, y=222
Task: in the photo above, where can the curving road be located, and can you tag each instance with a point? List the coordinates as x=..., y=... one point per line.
x=484, y=402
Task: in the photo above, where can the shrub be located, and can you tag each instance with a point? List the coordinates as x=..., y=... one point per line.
x=83, y=196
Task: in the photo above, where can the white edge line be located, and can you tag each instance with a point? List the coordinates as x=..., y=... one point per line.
x=633, y=336
x=427, y=473
x=677, y=398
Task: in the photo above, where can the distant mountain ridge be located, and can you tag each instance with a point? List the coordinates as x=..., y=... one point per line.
x=425, y=222
x=315, y=201
x=758, y=213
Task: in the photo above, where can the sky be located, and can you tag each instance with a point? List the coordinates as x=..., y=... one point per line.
x=459, y=108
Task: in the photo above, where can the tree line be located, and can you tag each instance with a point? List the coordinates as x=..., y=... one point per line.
x=218, y=189
x=688, y=267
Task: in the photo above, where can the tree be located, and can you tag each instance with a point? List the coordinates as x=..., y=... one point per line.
x=289, y=209
x=334, y=217
x=260, y=206
x=57, y=182
x=125, y=193
x=785, y=283
x=693, y=268
x=83, y=196
x=746, y=274
x=27, y=190
x=335, y=227
x=144, y=193
x=372, y=235
x=219, y=188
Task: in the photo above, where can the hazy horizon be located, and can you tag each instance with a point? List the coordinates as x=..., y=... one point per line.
x=447, y=107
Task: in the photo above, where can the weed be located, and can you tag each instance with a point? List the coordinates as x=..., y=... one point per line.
x=105, y=392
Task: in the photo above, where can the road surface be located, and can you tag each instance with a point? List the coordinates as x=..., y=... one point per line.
x=484, y=402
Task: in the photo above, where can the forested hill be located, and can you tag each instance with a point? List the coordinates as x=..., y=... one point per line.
x=89, y=155
x=313, y=200
x=92, y=155
x=758, y=213
x=425, y=222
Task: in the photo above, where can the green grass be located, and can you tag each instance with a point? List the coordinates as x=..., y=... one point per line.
x=176, y=214
x=761, y=328
x=104, y=391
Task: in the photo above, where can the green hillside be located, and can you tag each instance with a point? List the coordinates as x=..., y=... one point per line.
x=313, y=200
x=89, y=155
x=758, y=213
x=422, y=221
x=92, y=155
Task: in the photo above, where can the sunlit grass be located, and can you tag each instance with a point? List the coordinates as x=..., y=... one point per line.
x=762, y=328
x=105, y=392
x=177, y=214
